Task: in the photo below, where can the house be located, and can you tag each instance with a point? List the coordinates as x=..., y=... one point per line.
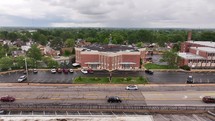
x=18, y=53
x=25, y=48
x=81, y=43
x=19, y=43
x=49, y=51
x=7, y=42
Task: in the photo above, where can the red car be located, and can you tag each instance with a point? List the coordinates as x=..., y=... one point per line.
x=90, y=71
x=66, y=71
x=59, y=70
x=7, y=98
x=208, y=99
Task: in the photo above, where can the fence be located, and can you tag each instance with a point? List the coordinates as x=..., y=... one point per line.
x=111, y=107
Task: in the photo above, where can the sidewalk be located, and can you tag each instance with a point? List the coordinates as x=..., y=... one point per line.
x=105, y=85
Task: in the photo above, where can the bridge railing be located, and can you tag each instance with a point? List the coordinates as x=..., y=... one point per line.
x=96, y=106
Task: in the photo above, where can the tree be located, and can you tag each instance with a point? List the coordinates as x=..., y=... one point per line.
x=2, y=51
x=176, y=47
x=12, y=36
x=34, y=53
x=50, y=62
x=170, y=57
x=20, y=62
x=56, y=43
x=69, y=43
x=6, y=63
x=139, y=44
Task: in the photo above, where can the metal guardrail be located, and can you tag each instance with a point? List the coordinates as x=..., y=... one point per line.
x=96, y=106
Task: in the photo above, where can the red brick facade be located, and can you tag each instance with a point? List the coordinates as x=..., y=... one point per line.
x=109, y=60
x=198, y=54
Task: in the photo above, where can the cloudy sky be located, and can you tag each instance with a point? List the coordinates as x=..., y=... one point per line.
x=108, y=13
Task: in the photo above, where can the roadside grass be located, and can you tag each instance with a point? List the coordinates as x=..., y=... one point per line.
x=129, y=80
x=156, y=66
x=91, y=80
x=114, y=80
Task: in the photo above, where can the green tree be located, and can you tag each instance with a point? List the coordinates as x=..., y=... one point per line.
x=56, y=43
x=12, y=36
x=20, y=62
x=34, y=53
x=50, y=62
x=2, y=51
x=139, y=44
x=69, y=43
x=6, y=63
x=170, y=57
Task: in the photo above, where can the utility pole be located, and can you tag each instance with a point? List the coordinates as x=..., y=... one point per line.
x=26, y=69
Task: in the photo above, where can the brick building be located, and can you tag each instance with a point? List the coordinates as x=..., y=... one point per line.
x=197, y=54
x=109, y=57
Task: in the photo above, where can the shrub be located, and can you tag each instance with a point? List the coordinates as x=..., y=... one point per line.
x=185, y=67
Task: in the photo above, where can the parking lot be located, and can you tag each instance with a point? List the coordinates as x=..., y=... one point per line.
x=157, y=78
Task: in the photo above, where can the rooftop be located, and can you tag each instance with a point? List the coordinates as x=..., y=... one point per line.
x=207, y=49
x=190, y=56
x=204, y=43
x=110, y=48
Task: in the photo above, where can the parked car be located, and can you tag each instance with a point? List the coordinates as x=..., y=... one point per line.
x=3, y=111
x=66, y=71
x=208, y=99
x=114, y=99
x=132, y=87
x=59, y=70
x=149, y=72
x=22, y=78
x=90, y=71
x=71, y=70
x=25, y=72
x=190, y=79
x=76, y=65
x=35, y=71
x=84, y=71
x=53, y=71
x=7, y=98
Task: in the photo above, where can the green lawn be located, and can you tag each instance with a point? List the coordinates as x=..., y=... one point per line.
x=156, y=66
x=115, y=80
x=91, y=80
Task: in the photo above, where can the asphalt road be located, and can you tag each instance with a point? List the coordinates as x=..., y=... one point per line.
x=98, y=95
x=156, y=78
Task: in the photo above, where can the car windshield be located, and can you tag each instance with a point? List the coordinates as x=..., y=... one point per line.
x=21, y=77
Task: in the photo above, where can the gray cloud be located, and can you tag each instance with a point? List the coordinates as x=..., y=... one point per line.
x=109, y=13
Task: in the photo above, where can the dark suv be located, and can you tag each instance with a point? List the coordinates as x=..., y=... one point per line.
x=208, y=99
x=149, y=72
x=114, y=99
x=190, y=79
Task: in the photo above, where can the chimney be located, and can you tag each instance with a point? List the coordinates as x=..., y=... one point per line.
x=189, y=37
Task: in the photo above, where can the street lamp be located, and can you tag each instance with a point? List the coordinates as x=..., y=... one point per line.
x=26, y=68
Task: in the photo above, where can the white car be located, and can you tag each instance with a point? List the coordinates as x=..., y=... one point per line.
x=84, y=71
x=22, y=78
x=132, y=87
x=53, y=71
x=75, y=64
x=71, y=70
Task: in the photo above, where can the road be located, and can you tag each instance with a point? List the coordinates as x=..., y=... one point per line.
x=156, y=78
x=97, y=95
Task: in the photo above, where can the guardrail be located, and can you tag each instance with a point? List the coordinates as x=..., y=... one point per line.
x=110, y=107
